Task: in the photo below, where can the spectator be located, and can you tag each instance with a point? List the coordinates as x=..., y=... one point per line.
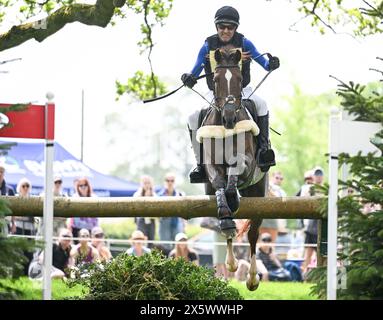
x=61, y=255
x=99, y=244
x=308, y=179
x=274, y=268
x=305, y=191
x=138, y=249
x=270, y=225
x=182, y=250
x=83, y=189
x=276, y=189
x=146, y=225
x=24, y=225
x=84, y=253
x=312, y=224
x=58, y=222
x=5, y=190
x=219, y=255
x=169, y=227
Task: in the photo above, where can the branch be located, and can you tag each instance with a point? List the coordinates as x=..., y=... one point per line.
x=151, y=45
x=319, y=18
x=98, y=14
x=373, y=11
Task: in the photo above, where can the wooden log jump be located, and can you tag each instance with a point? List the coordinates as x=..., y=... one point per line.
x=186, y=207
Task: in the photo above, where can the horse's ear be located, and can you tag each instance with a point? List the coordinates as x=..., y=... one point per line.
x=236, y=56
x=218, y=55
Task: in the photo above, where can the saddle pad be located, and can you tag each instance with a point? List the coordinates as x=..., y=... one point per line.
x=220, y=132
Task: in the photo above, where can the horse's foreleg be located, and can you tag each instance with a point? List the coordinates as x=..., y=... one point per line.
x=231, y=261
x=252, y=282
x=231, y=191
x=239, y=166
x=225, y=215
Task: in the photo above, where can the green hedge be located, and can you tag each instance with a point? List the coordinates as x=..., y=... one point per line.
x=153, y=277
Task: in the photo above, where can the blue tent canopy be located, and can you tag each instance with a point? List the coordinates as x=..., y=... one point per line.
x=26, y=160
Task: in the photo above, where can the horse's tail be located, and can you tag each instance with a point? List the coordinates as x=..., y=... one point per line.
x=245, y=228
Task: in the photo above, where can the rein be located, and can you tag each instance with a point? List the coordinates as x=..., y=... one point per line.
x=211, y=73
x=174, y=91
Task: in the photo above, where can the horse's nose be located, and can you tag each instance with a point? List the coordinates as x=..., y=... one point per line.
x=229, y=123
x=229, y=117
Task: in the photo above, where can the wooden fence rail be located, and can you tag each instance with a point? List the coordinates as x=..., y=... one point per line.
x=186, y=207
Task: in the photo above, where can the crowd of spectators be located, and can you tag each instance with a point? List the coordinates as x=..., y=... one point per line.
x=81, y=240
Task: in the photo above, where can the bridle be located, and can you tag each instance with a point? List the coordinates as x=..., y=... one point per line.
x=230, y=98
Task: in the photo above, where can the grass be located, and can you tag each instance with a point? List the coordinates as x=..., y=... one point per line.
x=276, y=291
x=32, y=290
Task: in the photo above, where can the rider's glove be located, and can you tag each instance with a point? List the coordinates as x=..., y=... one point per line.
x=189, y=80
x=273, y=63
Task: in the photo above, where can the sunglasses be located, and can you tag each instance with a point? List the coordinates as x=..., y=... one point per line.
x=25, y=186
x=66, y=236
x=82, y=185
x=229, y=27
x=169, y=180
x=58, y=182
x=99, y=235
x=267, y=240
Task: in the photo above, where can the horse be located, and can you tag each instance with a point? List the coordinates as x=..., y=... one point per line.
x=228, y=134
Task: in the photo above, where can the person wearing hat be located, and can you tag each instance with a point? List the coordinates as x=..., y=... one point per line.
x=308, y=180
x=138, y=248
x=98, y=243
x=58, y=222
x=318, y=176
x=182, y=250
x=226, y=22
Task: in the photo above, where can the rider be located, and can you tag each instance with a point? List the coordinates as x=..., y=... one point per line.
x=227, y=22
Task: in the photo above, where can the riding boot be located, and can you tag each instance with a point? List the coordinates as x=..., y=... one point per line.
x=265, y=155
x=197, y=174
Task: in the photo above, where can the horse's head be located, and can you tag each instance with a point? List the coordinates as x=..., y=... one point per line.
x=228, y=84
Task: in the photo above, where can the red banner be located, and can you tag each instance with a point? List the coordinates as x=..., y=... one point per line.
x=30, y=123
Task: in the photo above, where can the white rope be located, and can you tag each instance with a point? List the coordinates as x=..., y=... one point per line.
x=130, y=241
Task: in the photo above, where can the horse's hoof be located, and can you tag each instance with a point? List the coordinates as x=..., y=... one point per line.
x=232, y=267
x=226, y=224
x=252, y=284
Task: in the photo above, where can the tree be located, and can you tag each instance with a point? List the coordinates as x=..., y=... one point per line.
x=48, y=17
x=361, y=214
x=303, y=122
x=56, y=14
x=362, y=17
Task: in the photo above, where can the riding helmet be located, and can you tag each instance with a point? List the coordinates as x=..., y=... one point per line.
x=227, y=14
